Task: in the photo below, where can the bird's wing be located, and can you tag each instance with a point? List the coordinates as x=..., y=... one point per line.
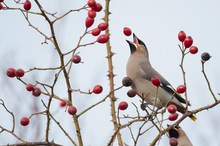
x=172, y=92
x=151, y=72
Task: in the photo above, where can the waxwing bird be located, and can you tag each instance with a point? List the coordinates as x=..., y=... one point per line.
x=180, y=135
x=140, y=71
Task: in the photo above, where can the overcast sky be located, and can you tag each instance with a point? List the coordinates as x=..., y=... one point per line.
x=157, y=23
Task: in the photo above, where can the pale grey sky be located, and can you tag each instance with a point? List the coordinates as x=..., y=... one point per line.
x=157, y=23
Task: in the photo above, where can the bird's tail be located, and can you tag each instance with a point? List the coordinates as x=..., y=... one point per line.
x=192, y=117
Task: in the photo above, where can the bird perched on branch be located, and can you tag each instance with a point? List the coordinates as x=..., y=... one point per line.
x=140, y=71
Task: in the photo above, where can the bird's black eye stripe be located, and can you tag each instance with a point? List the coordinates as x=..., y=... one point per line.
x=141, y=43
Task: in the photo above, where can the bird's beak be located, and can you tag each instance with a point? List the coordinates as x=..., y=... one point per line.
x=132, y=46
x=135, y=40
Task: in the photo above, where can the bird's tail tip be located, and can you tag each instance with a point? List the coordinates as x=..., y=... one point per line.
x=192, y=117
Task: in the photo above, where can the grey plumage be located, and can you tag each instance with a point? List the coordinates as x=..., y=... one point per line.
x=139, y=69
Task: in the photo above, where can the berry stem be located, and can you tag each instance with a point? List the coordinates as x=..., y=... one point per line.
x=183, y=49
x=207, y=81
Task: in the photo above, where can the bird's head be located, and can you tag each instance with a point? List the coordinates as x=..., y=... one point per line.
x=137, y=45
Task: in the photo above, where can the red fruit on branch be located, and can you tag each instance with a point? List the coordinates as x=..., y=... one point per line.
x=91, y=13
x=97, y=89
x=181, y=36
x=24, y=121
x=89, y=22
x=181, y=89
x=155, y=81
x=30, y=87
x=91, y=3
x=19, y=73
x=96, y=32
x=193, y=49
x=76, y=59
x=188, y=42
x=123, y=105
x=173, y=141
x=36, y=92
x=62, y=103
x=11, y=72
x=173, y=117
x=72, y=110
x=127, y=31
x=27, y=5
x=103, y=26
x=172, y=108
x=97, y=7
x=102, y=38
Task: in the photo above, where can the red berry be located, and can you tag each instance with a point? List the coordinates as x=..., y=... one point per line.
x=173, y=141
x=97, y=7
x=102, y=38
x=11, y=72
x=24, y=121
x=1, y=0
x=72, y=110
x=19, y=73
x=1, y=7
x=172, y=108
x=131, y=93
x=27, y=5
x=103, y=26
x=91, y=3
x=155, y=81
x=181, y=89
x=89, y=22
x=30, y=87
x=123, y=105
x=193, y=49
x=173, y=117
x=181, y=36
x=91, y=13
x=96, y=32
x=36, y=92
x=127, y=31
x=97, y=89
x=76, y=59
x=62, y=103
x=127, y=81
x=188, y=41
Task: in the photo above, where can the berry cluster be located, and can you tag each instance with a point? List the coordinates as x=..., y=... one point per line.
x=11, y=72
x=172, y=110
x=96, y=7
x=188, y=41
